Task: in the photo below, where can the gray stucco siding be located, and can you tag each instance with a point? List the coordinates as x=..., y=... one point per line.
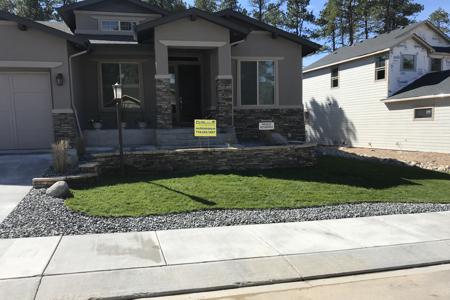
x=260, y=44
x=32, y=46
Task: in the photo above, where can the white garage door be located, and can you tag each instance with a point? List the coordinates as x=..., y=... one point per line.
x=25, y=111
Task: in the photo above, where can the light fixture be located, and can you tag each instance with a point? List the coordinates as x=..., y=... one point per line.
x=117, y=91
x=59, y=79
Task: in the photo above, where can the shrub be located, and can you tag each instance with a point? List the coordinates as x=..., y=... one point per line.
x=60, y=156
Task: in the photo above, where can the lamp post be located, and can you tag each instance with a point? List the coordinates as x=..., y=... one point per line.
x=117, y=91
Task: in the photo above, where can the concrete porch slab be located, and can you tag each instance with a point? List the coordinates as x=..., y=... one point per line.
x=146, y=282
x=98, y=252
x=303, y=237
x=211, y=244
x=25, y=257
x=19, y=289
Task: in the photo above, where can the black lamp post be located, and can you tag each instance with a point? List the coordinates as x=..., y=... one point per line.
x=117, y=91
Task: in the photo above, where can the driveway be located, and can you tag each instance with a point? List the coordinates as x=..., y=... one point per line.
x=16, y=173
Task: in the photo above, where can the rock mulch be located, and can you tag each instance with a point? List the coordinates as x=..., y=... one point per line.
x=41, y=215
x=426, y=160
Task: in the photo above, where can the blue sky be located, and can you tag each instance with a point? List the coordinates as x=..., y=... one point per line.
x=317, y=5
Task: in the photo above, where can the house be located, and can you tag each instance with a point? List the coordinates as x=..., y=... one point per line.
x=56, y=78
x=391, y=91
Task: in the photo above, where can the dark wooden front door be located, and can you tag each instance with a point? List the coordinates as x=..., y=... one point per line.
x=189, y=93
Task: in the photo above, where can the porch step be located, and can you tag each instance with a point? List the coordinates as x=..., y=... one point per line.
x=90, y=167
x=184, y=137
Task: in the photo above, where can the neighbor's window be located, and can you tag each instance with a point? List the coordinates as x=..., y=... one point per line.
x=335, y=77
x=436, y=64
x=408, y=62
x=126, y=74
x=423, y=113
x=257, y=82
x=380, y=67
x=115, y=25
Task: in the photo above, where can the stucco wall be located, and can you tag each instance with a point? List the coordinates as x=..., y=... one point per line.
x=35, y=45
x=289, y=55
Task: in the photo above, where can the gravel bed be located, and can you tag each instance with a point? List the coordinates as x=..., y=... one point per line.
x=41, y=215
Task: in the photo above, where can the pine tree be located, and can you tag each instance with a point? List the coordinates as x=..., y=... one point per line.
x=395, y=13
x=206, y=5
x=366, y=11
x=297, y=15
x=440, y=18
x=231, y=4
x=7, y=5
x=328, y=24
x=35, y=9
x=170, y=5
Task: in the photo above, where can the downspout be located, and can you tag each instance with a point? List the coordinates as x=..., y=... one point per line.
x=72, y=102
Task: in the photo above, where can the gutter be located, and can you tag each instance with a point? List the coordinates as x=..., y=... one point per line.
x=72, y=102
x=439, y=96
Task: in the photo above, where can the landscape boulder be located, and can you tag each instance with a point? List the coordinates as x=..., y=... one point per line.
x=59, y=189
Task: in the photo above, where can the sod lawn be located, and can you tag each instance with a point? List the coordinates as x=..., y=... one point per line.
x=332, y=181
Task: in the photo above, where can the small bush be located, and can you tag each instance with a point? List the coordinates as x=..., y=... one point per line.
x=60, y=156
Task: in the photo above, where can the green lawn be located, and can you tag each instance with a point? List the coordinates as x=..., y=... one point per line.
x=332, y=181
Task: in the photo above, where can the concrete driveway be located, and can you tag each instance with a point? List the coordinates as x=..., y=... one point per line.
x=16, y=173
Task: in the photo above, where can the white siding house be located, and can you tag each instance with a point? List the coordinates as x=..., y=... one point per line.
x=408, y=109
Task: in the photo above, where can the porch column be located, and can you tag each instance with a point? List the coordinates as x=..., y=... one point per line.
x=162, y=87
x=64, y=125
x=224, y=88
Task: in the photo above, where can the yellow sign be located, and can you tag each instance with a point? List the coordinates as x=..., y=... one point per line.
x=205, y=128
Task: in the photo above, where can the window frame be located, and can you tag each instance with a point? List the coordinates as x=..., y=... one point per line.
x=423, y=119
x=381, y=68
x=276, y=83
x=334, y=77
x=101, y=104
x=119, y=25
x=431, y=64
x=414, y=63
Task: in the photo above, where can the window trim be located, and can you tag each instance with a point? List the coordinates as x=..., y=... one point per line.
x=335, y=77
x=423, y=119
x=102, y=108
x=386, y=59
x=118, y=24
x=276, y=82
x=431, y=64
x=415, y=63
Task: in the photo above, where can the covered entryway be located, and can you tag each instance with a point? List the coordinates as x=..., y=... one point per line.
x=25, y=110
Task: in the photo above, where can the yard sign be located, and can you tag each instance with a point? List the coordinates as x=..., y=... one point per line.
x=206, y=128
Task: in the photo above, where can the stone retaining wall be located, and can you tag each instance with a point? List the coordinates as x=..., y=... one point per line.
x=214, y=159
x=289, y=122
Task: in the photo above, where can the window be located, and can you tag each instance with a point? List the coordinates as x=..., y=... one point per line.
x=335, y=77
x=408, y=62
x=127, y=74
x=257, y=82
x=115, y=25
x=380, y=67
x=423, y=113
x=436, y=64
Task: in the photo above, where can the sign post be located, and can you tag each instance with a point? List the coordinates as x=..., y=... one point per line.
x=205, y=128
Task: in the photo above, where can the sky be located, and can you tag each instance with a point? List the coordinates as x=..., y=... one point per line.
x=317, y=5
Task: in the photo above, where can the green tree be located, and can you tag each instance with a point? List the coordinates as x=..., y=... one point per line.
x=366, y=17
x=440, y=18
x=35, y=9
x=7, y=5
x=274, y=15
x=297, y=14
x=231, y=4
x=328, y=24
x=207, y=5
x=170, y=5
x=394, y=14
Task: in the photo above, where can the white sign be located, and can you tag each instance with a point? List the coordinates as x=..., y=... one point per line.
x=266, y=125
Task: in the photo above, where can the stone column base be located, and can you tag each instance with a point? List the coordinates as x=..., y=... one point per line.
x=224, y=105
x=65, y=127
x=163, y=103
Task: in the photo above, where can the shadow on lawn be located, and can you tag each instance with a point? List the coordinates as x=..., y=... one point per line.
x=328, y=170
x=192, y=197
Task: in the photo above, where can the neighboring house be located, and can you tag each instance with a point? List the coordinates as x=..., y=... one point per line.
x=55, y=78
x=392, y=92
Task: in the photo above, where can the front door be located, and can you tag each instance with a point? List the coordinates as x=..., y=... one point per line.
x=189, y=93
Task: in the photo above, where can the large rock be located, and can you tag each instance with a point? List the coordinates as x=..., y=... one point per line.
x=59, y=189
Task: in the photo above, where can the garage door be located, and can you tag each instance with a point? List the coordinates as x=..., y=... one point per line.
x=25, y=111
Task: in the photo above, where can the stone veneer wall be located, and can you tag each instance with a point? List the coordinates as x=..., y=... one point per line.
x=224, y=105
x=65, y=127
x=214, y=159
x=163, y=103
x=288, y=121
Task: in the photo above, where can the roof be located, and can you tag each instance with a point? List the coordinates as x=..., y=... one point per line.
x=442, y=49
x=431, y=84
x=144, y=28
x=308, y=46
x=67, y=14
x=55, y=28
x=369, y=46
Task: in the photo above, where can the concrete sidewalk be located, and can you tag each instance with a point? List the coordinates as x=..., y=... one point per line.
x=131, y=265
